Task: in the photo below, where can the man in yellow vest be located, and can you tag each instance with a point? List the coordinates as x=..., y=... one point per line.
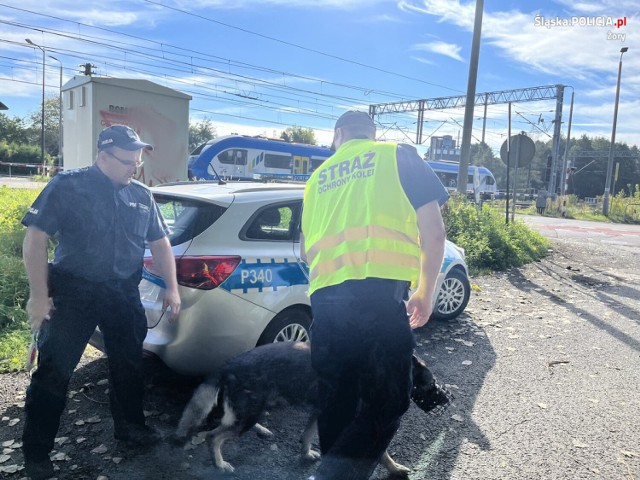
x=371, y=228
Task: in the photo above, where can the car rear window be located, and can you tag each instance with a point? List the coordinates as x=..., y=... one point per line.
x=274, y=222
x=187, y=218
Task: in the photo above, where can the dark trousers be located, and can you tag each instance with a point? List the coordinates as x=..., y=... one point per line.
x=361, y=347
x=79, y=306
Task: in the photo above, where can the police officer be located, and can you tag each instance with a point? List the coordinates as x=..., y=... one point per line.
x=371, y=226
x=101, y=219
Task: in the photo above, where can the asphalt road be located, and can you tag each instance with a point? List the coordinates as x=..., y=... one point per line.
x=20, y=182
x=553, y=390
x=626, y=235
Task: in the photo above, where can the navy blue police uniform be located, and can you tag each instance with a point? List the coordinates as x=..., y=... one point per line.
x=101, y=230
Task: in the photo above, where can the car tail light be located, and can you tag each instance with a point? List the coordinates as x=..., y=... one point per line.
x=204, y=273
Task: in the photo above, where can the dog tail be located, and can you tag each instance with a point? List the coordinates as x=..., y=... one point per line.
x=204, y=399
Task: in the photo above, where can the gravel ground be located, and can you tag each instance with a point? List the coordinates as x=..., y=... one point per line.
x=544, y=365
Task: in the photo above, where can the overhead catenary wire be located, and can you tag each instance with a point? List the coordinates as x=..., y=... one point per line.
x=205, y=56
x=256, y=82
x=336, y=57
x=249, y=91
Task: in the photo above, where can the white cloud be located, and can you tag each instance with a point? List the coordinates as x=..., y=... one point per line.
x=576, y=50
x=604, y=7
x=96, y=16
x=383, y=18
x=13, y=88
x=441, y=48
x=423, y=60
x=450, y=11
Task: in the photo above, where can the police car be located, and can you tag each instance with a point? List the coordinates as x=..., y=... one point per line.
x=241, y=280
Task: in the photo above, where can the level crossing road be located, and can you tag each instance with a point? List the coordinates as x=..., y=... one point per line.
x=604, y=233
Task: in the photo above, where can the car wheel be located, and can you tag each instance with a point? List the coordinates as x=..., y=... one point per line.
x=289, y=326
x=453, y=296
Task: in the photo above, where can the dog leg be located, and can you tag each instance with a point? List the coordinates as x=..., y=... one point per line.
x=203, y=401
x=309, y=432
x=229, y=428
x=217, y=438
x=262, y=431
x=394, y=468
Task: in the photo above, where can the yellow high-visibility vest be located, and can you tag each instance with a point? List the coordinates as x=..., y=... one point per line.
x=357, y=220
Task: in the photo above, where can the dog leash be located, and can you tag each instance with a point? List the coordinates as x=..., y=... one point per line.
x=32, y=354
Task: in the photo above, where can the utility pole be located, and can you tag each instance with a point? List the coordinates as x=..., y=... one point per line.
x=566, y=164
x=555, y=147
x=607, y=184
x=44, y=54
x=59, y=114
x=465, y=147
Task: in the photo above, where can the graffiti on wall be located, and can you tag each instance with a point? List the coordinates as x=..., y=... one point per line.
x=167, y=161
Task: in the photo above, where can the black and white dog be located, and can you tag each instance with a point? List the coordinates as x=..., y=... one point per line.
x=260, y=378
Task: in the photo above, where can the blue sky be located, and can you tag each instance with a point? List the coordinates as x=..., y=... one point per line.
x=259, y=66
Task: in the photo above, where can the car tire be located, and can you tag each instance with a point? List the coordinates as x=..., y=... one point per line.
x=288, y=326
x=453, y=296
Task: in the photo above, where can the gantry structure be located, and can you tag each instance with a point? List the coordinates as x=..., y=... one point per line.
x=531, y=94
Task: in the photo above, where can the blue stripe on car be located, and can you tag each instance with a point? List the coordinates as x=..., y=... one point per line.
x=258, y=275
x=153, y=278
x=445, y=264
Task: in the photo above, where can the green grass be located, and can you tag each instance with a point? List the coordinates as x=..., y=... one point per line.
x=14, y=344
x=14, y=289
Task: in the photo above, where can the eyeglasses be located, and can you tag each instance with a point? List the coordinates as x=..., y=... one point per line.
x=126, y=163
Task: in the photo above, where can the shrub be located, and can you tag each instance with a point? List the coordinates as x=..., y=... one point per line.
x=19, y=153
x=490, y=243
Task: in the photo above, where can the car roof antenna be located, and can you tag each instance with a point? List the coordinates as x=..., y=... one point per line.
x=220, y=180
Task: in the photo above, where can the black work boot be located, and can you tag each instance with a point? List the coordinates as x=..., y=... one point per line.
x=38, y=468
x=138, y=435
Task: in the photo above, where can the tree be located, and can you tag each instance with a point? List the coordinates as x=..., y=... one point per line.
x=51, y=126
x=13, y=130
x=299, y=135
x=537, y=171
x=201, y=132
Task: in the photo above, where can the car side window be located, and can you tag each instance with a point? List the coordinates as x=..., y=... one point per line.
x=275, y=222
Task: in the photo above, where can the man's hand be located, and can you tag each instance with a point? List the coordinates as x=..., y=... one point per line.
x=172, y=300
x=419, y=307
x=38, y=310
x=166, y=265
